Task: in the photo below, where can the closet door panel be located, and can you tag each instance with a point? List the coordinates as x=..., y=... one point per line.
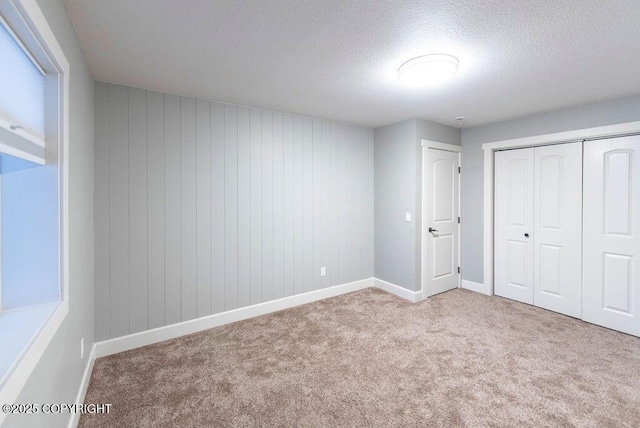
x=557, y=231
x=514, y=224
x=611, y=234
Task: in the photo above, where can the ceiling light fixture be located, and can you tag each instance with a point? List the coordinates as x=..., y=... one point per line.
x=428, y=69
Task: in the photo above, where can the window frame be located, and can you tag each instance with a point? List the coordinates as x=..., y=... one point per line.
x=27, y=21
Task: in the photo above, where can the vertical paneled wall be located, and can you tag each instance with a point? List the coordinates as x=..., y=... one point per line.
x=205, y=207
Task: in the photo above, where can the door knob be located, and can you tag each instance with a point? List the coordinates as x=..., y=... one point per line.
x=526, y=235
x=432, y=230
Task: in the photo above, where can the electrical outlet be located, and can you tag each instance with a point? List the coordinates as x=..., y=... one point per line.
x=82, y=348
x=323, y=271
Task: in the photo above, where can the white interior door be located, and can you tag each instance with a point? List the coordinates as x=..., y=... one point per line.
x=440, y=233
x=557, y=231
x=513, y=259
x=611, y=268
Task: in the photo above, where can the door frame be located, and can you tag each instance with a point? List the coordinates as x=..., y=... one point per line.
x=426, y=145
x=579, y=135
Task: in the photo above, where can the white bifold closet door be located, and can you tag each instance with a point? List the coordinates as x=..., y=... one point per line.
x=513, y=270
x=538, y=224
x=612, y=233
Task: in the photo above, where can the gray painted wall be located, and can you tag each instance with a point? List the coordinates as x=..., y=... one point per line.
x=398, y=190
x=56, y=378
x=205, y=207
x=394, y=180
x=586, y=116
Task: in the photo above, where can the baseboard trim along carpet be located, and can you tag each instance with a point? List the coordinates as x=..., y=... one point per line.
x=372, y=359
x=412, y=296
x=84, y=385
x=148, y=337
x=144, y=338
x=475, y=286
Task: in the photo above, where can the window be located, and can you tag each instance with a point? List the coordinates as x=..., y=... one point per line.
x=21, y=85
x=34, y=82
x=28, y=191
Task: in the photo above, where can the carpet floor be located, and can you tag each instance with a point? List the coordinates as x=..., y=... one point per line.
x=369, y=358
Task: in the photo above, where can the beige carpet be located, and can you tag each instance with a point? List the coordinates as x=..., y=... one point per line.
x=371, y=359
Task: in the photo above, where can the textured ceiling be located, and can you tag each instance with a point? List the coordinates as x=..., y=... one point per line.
x=338, y=59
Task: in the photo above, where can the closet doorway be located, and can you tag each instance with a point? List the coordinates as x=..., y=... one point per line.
x=579, y=192
x=538, y=225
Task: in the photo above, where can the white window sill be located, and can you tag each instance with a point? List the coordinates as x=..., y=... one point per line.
x=25, y=334
x=18, y=327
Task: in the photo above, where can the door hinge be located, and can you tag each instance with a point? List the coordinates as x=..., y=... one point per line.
x=459, y=169
x=458, y=269
x=458, y=220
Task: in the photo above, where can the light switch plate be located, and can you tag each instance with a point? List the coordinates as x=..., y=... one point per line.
x=407, y=217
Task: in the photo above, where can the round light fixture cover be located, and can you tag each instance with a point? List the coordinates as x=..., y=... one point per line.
x=428, y=69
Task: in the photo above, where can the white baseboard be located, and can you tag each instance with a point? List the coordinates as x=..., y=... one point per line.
x=137, y=340
x=476, y=286
x=412, y=296
x=84, y=384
